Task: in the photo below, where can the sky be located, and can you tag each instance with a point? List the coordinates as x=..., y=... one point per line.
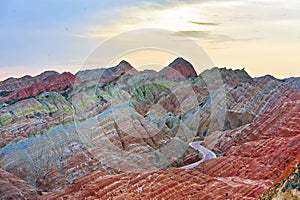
x=262, y=36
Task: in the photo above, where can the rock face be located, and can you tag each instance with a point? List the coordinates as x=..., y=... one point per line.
x=106, y=75
x=12, y=187
x=12, y=84
x=121, y=133
x=179, y=69
x=51, y=83
x=235, y=78
x=281, y=120
x=161, y=184
x=249, y=160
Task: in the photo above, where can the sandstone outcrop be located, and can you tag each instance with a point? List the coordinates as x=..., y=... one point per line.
x=179, y=69
x=56, y=83
x=109, y=74
x=161, y=184
x=12, y=187
x=282, y=120
x=12, y=84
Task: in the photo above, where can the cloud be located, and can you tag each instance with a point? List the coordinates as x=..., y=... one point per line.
x=195, y=34
x=204, y=23
x=208, y=35
x=212, y=37
x=171, y=15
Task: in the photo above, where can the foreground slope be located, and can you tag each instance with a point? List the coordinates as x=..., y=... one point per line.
x=245, y=171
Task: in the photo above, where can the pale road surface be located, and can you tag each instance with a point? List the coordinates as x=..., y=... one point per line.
x=207, y=154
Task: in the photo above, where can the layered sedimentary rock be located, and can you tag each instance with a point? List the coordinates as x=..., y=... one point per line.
x=12, y=84
x=244, y=171
x=51, y=83
x=106, y=75
x=179, y=69
x=282, y=120
x=117, y=140
x=30, y=116
x=259, y=159
x=161, y=184
x=12, y=187
x=107, y=132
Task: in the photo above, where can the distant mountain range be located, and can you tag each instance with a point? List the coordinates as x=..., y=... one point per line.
x=123, y=133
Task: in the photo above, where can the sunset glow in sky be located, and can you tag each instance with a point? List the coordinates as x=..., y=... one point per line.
x=261, y=35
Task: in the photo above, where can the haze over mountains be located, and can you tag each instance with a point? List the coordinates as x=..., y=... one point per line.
x=121, y=133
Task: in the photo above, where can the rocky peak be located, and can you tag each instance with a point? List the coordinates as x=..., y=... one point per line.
x=47, y=74
x=230, y=77
x=266, y=78
x=43, y=82
x=124, y=67
x=124, y=63
x=12, y=84
x=107, y=74
x=179, y=69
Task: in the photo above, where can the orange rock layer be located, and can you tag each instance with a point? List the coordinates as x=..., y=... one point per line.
x=57, y=83
x=161, y=184
x=12, y=187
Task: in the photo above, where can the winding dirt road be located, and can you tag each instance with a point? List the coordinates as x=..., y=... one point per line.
x=207, y=154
